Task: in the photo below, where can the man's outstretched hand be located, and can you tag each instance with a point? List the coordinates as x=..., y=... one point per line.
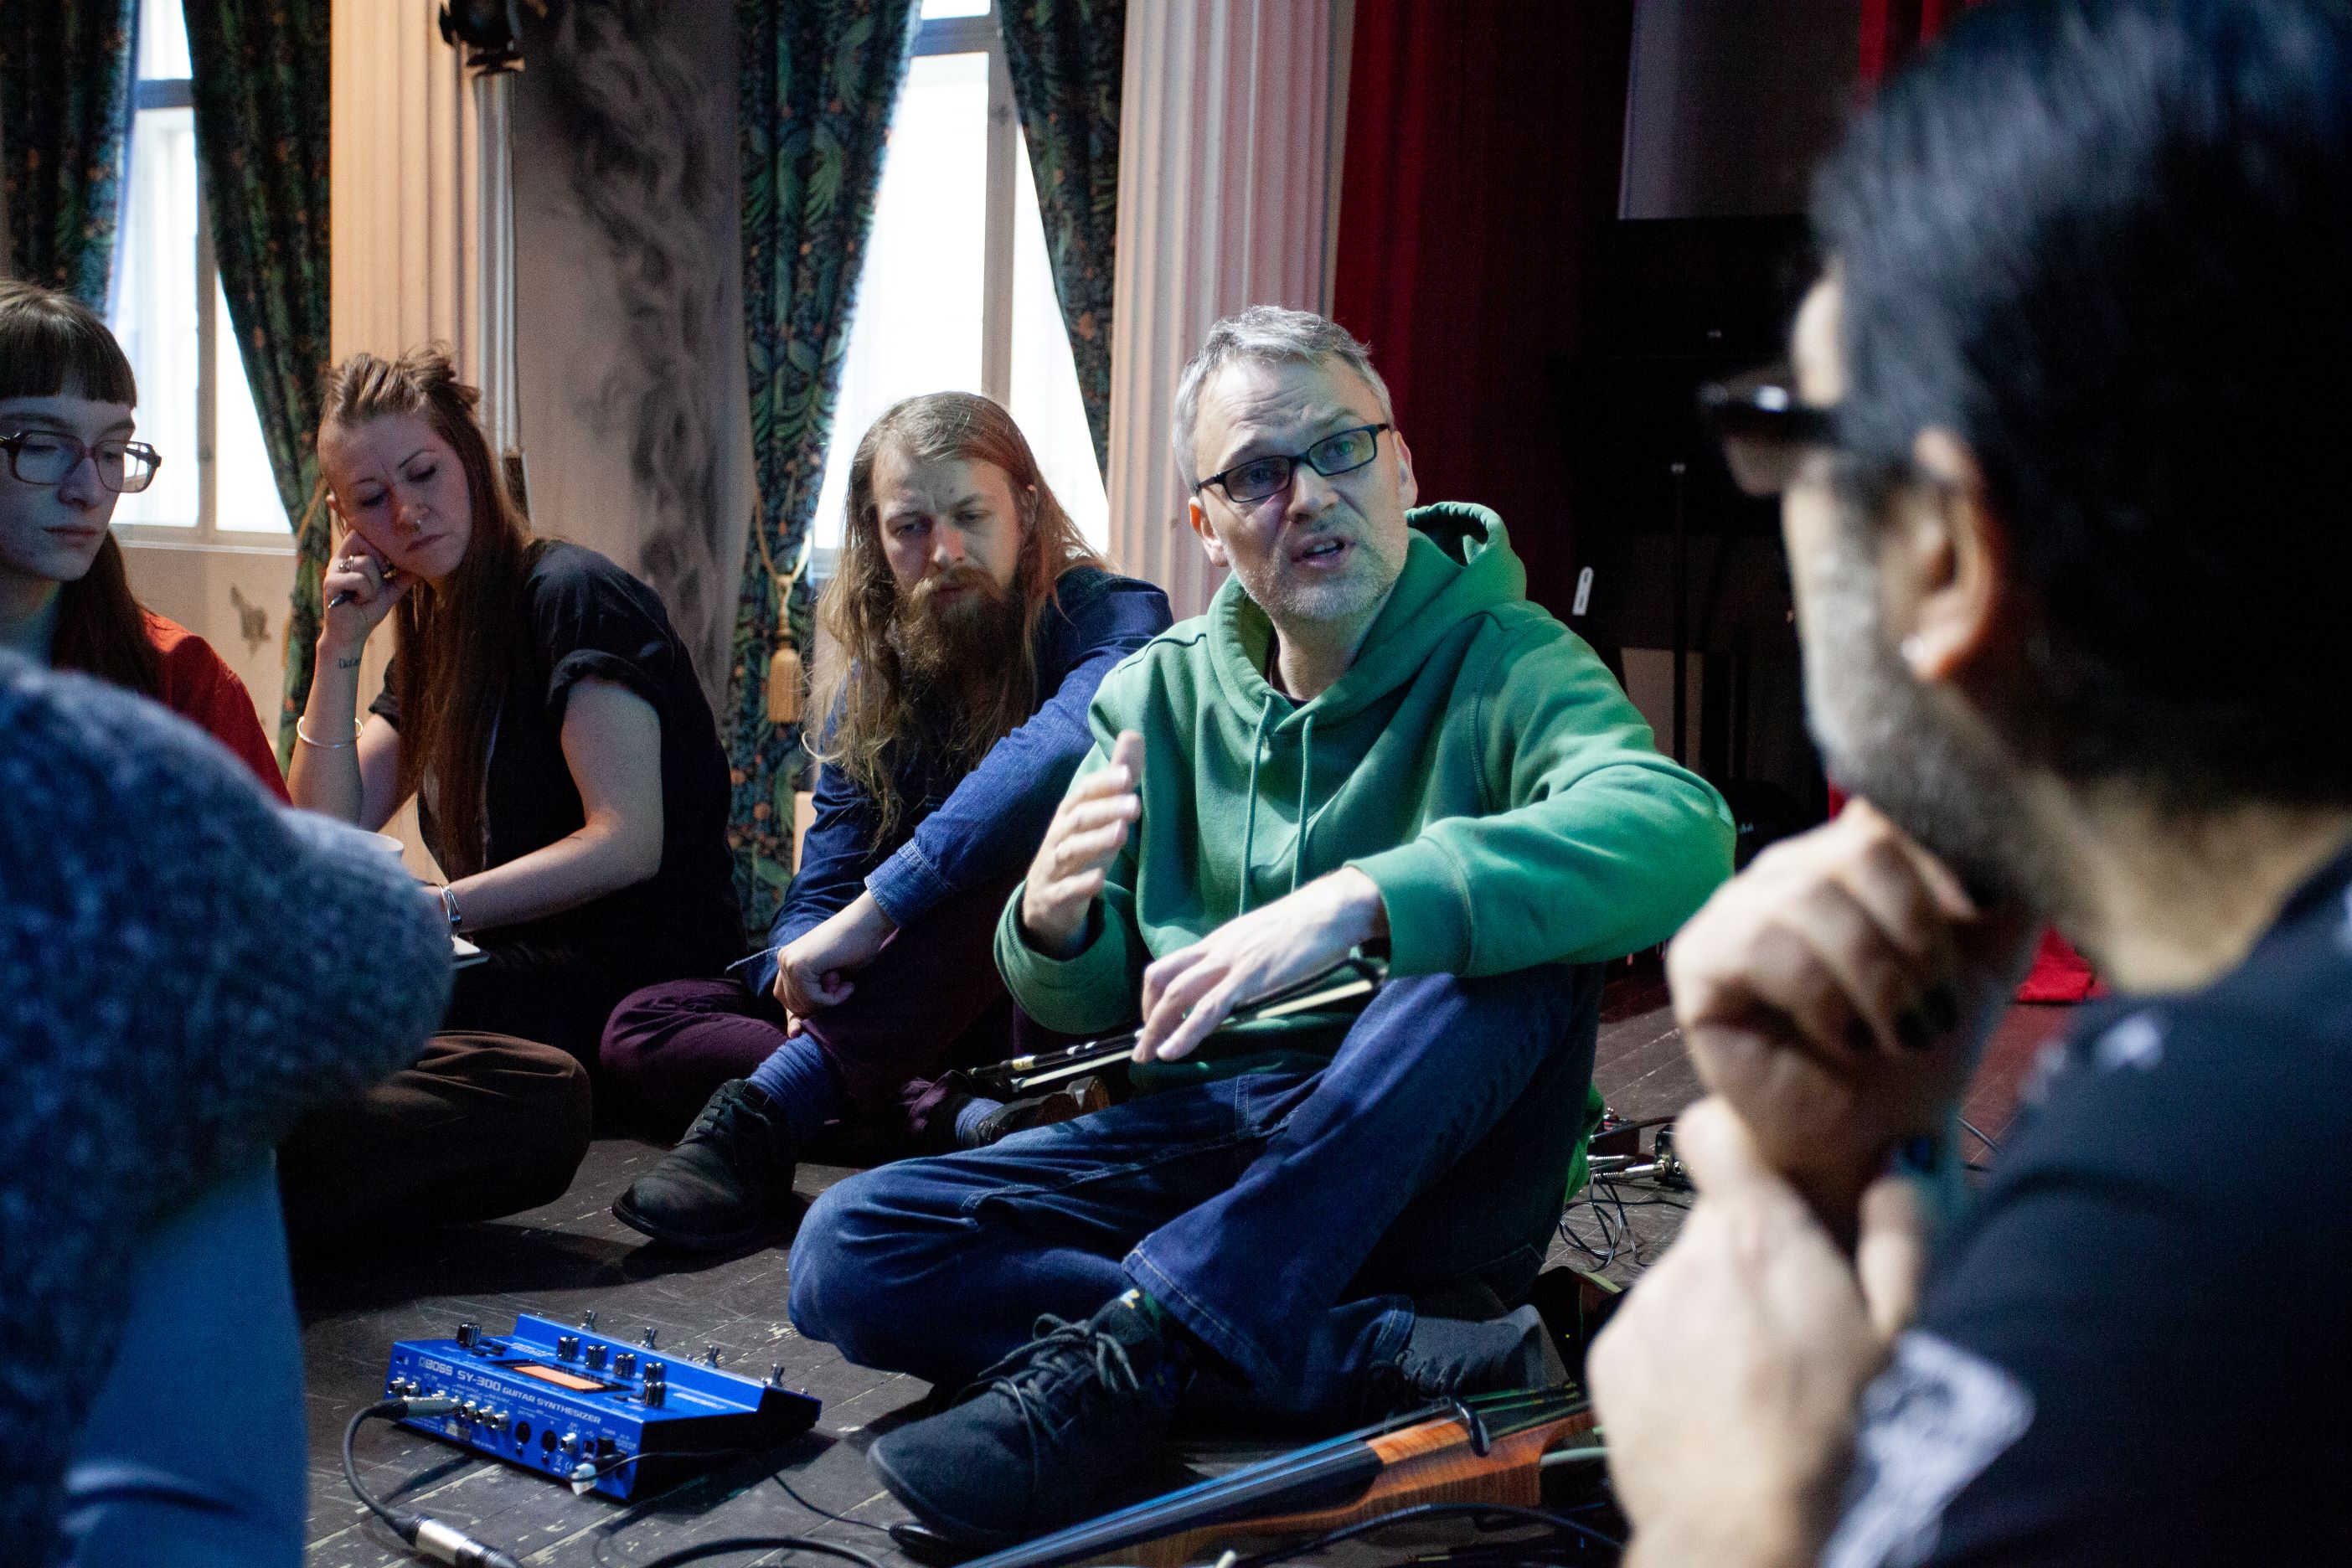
x=1191, y=991
x=1729, y=1382
x=1833, y=994
x=1087, y=831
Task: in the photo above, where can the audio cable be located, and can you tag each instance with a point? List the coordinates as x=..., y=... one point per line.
x=427, y=1534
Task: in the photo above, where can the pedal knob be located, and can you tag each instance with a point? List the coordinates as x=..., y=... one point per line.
x=656, y=1388
x=624, y=1364
x=567, y=1347
x=776, y=1376
x=710, y=1355
x=588, y=1321
x=469, y=1334
x=653, y=1337
x=593, y=1356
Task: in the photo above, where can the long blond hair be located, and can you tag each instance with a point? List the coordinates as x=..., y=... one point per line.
x=458, y=647
x=865, y=693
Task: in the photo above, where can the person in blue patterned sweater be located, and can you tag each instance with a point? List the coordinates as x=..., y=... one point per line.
x=186, y=969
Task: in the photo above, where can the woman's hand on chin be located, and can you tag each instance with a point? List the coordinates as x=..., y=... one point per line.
x=367, y=585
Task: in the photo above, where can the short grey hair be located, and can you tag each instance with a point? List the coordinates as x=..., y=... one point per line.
x=1267, y=334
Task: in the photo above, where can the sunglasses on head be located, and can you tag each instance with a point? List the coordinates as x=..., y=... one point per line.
x=1765, y=430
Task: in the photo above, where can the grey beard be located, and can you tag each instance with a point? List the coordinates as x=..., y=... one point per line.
x=1883, y=740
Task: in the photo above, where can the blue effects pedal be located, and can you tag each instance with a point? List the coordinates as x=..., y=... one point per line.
x=596, y=1411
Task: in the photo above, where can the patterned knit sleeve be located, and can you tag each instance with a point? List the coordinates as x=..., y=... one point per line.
x=185, y=968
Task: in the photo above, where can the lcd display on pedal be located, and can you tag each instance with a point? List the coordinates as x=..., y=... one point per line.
x=560, y=1378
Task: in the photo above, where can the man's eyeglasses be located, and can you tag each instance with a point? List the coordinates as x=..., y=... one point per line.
x=1254, y=480
x=46, y=457
x=1765, y=430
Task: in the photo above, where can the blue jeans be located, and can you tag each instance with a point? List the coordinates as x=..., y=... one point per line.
x=194, y=1452
x=1290, y=1219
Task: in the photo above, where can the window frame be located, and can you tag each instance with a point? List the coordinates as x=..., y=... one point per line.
x=984, y=35
x=981, y=35
x=179, y=92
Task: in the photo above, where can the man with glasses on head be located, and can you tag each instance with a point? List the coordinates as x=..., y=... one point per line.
x=1370, y=741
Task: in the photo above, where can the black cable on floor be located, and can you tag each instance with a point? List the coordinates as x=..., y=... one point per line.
x=761, y=1543
x=1560, y=1524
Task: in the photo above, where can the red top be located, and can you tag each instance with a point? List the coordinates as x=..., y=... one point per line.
x=201, y=689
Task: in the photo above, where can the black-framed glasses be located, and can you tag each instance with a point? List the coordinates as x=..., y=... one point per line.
x=1765, y=430
x=1254, y=480
x=46, y=457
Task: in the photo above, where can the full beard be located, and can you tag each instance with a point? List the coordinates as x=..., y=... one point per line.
x=1884, y=738
x=956, y=649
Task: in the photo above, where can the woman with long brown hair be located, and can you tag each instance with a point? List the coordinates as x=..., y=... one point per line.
x=974, y=625
x=66, y=394
x=539, y=708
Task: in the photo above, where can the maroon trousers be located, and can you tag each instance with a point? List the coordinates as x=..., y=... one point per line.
x=931, y=1001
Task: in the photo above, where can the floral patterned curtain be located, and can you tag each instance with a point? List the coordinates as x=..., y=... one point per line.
x=64, y=111
x=1065, y=57
x=262, y=94
x=820, y=78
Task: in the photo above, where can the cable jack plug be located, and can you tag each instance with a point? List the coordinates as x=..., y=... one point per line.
x=443, y=1544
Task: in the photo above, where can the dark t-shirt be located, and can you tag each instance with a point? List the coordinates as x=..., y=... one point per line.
x=590, y=620
x=2134, y=1350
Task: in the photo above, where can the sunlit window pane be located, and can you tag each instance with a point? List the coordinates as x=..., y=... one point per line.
x=917, y=322
x=156, y=309
x=246, y=499
x=163, y=41
x=1044, y=393
x=935, y=9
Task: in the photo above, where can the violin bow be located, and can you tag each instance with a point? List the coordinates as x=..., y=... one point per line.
x=1488, y=1448
x=1350, y=978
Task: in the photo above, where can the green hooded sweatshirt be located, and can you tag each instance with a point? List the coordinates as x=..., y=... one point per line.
x=1477, y=762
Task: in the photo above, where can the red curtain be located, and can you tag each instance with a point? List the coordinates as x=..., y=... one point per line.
x=1891, y=29
x=1483, y=145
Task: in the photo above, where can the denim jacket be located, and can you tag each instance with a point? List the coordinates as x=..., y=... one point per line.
x=959, y=832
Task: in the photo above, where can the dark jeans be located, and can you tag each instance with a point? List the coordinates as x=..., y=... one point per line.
x=1291, y=1219
x=480, y=1126
x=931, y=1001
x=192, y=1453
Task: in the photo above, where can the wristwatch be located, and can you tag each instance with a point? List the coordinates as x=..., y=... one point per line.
x=449, y=903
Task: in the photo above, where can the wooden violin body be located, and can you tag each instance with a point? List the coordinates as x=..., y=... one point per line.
x=1431, y=1456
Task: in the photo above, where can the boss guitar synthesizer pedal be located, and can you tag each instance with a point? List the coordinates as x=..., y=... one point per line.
x=599, y=1412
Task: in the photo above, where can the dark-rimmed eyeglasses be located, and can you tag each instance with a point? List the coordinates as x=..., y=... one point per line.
x=1766, y=432
x=46, y=458
x=1254, y=480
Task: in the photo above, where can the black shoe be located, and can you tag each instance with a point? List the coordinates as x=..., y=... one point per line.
x=1071, y=1100
x=1046, y=1437
x=1450, y=1358
x=724, y=1184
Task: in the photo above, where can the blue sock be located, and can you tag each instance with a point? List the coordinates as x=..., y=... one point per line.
x=795, y=1080
x=968, y=1116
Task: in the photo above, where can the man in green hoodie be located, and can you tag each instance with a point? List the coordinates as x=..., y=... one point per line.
x=1372, y=737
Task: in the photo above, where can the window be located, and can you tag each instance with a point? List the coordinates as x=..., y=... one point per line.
x=194, y=405
x=957, y=292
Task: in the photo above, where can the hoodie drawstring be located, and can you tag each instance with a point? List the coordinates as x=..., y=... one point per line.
x=1306, y=774
x=1249, y=816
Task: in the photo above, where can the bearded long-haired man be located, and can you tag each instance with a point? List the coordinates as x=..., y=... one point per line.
x=974, y=625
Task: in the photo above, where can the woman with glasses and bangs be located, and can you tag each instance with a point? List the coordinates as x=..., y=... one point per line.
x=66, y=398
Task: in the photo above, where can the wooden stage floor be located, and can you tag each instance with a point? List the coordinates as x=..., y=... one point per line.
x=571, y=1256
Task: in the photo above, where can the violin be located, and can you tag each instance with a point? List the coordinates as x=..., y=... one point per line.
x=1352, y=979
x=1488, y=1448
